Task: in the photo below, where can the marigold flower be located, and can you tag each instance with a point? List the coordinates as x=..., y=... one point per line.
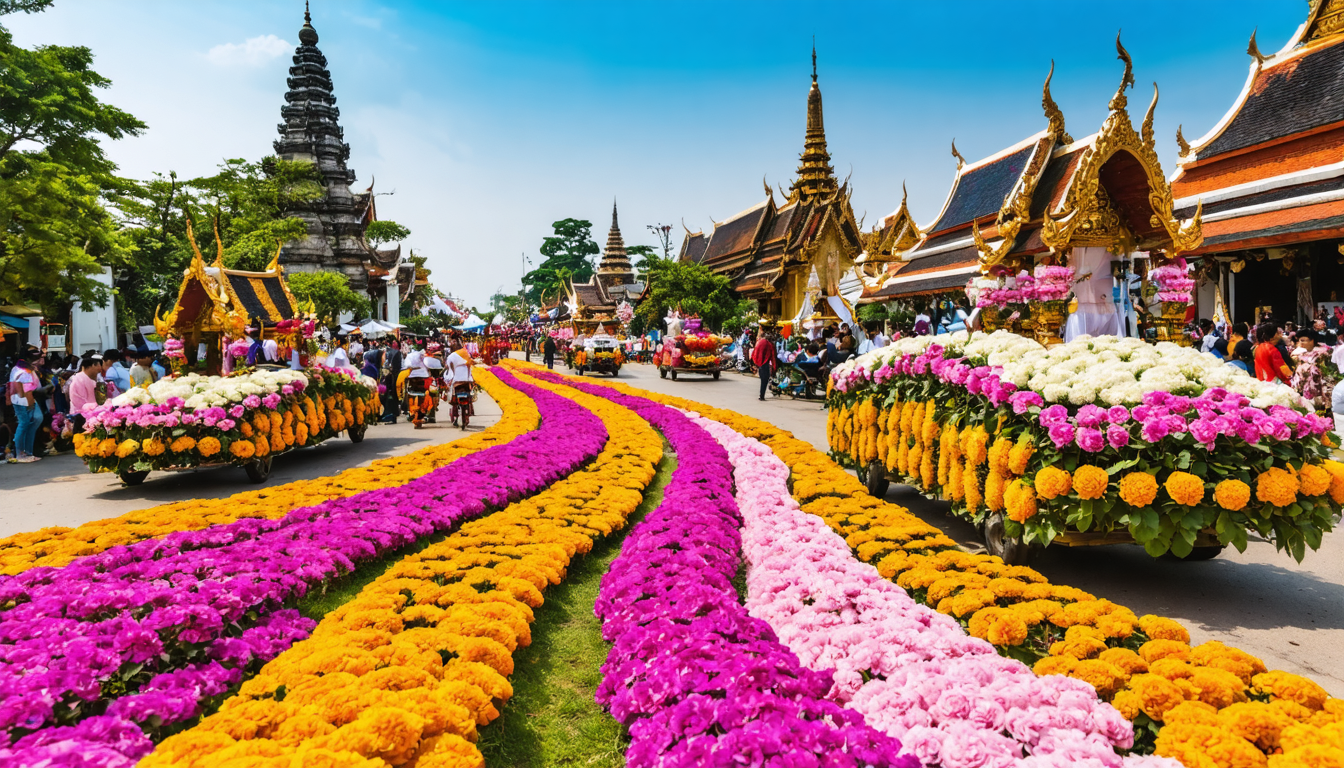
x=1155, y=695
x=1313, y=480
x=243, y=449
x=1156, y=650
x=1090, y=482
x=1295, y=688
x=1020, y=501
x=1105, y=677
x=1128, y=661
x=1276, y=486
x=1255, y=722
x=1193, y=713
x=1184, y=488
x=1138, y=489
x=1052, y=482
x=1162, y=628
x=1232, y=494
x=1020, y=455
x=183, y=444
x=208, y=446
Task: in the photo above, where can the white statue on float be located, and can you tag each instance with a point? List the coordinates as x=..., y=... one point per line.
x=1094, y=288
x=674, y=322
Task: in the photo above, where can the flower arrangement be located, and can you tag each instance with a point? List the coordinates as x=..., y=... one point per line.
x=969, y=420
x=431, y=639
x=1174, y=284
x=191, y=420
x=1052, y=284
x=152, y=607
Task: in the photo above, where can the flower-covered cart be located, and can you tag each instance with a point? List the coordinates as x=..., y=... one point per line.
x=246, y=420
x=600, y=354
x=1099, y=441
x=690, y=349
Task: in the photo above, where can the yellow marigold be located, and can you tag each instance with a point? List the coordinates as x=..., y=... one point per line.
x=994, y=491
x=1128, y=661
x=262, y=445
x=183, y=444
x=975, y=450
x=127, y=448
x=260, y=422
x=1008, y=630
x=1213, y=686
x=1295, y=688
x=998, y=455
x=1309, y=756
x=107, y=447
x=1079, y=646
x=1193, y=713
x=1232, y=494
x=1090, y=482
x=1162, y=628
x=1138, y=489
x=956, y=483
x=1052, y=482
x=1020, y=501
x=1020, y=455
x=1105, y=677
x=1238, y=662
x=1276, y=486
x=1204, y=745
x=1313, y=480
x=1155, y=695
x=245, y=428
x=1184, y=488
x=153, y=446
x=1156, y=650
x=208, y=446
x=243, y=449
x=1054, y=665
x=1255, y=722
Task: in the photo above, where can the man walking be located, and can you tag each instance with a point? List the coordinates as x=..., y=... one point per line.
x=763, y=357
x=548, y=352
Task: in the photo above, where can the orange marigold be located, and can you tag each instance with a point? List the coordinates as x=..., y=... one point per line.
x=1052, y=482
x=1090, y=482
x=994, y=491
x=1020, y=501
x=1162, y=628
x=127, y=448
x=1184, y=488
x=1154, y=695
x=1232, y=494
x=182, y=444
x=208, y=446
x=1138, y=489
x=1295, y=688
x=1020, y=455
x=243, y=449
x=1313, y=480
x=1276, y=486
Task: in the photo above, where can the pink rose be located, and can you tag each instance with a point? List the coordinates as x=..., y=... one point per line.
x=1117, y=414
x=1117, y=436
x=1061, y=434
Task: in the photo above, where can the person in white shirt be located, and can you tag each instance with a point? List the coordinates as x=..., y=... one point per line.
x=457, y=374
x=339, y=357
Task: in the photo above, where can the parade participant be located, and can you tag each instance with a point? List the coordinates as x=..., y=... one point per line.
x=22, y=388
x=357, y=349
x=392, y=362
x=1269, y=363
x=421, y=385
x=142, y=375
x=548, y=352
x=339, y=357
x=457, y=376
x=117, y=375
x=371, y=367
x=763, y=357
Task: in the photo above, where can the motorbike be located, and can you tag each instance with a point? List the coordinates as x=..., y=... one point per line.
x=800, y=380
x=463, y=403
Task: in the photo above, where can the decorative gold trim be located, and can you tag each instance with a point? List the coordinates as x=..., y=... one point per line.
x=264, y=296
x=1052, y=111
x=1181, y=142
x=961, y=161
x=1015, y=213
x=1086, y=209
x=1254, y=50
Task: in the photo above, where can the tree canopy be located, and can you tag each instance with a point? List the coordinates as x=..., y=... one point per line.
x=694, y=289
x=380, y=232
x=330, y=293
x=568, y=255
x=54, y=231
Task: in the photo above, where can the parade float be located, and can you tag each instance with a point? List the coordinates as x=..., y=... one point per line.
x=601, y=353
x=1096, y=441
x=222, y=404
x=689, y=349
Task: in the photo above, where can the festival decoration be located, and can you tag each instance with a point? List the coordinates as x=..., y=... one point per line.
x=978, y=422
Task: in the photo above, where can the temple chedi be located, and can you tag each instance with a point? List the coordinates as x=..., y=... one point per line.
x=596, y=300
x=336, y=223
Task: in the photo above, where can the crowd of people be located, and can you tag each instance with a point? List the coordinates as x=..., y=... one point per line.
x=413, y=372
x=45, y=394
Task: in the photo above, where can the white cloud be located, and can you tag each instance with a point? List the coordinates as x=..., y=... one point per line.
x=250, y=53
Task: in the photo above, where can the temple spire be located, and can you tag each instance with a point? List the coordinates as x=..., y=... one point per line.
x=615, y=269
x=815, y=175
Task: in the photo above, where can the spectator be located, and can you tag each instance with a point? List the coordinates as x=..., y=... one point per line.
x=115, y=373
x=763, y=357
x=84, y=389
x=548, y=352
x=160, y=367
x=1269, y=362
x=1208, y=335
x=922, y=323
x=1240, y=350
x=1324, y=336
x=142, y=375
x=22, y=388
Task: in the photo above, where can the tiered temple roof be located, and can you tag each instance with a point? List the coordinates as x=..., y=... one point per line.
x=1046, y=194
x=758, y=246
x=336, y=222
x=1271, y=172
x=613, y=282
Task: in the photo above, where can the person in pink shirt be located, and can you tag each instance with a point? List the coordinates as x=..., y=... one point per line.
x=84, y=388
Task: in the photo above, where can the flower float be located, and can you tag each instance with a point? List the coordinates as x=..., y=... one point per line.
x=1164, y=443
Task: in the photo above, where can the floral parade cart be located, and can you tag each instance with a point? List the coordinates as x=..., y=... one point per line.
x=690, y=349
x=1098, y=441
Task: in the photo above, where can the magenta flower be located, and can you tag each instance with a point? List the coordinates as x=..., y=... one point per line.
x=1061, y=434
x=1090, y=439
x=1117, y=436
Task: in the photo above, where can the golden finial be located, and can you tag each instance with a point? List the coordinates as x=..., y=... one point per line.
x=769, y=193
x=961, y=161
x=219, y=247
x=1147, y=131
x=195, y=249
x=1254, y=49
x=905, y=194
x=1181, y=142
x=814, y=58
x=274, y=266
x=1119, y=101
x=1052, y=111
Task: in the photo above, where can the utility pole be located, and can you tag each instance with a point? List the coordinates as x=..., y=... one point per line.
x=664, y=234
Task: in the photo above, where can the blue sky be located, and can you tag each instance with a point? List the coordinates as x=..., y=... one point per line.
x=490, y=120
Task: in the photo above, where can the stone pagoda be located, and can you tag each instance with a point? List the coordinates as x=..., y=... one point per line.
x=336, y=222
x=596, y=300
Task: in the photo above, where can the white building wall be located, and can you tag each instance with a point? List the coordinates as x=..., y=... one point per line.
x=93, y=327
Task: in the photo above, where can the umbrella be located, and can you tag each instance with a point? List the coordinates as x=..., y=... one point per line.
x=472, y=323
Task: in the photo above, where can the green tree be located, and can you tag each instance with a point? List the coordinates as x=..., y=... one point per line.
x=422, y=325
x=568, y=255
x=250, y=200
x=380, y=232
x=695, y=289
x=330, y=293
x=54, y=231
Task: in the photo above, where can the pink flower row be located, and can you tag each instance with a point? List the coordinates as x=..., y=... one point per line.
x=912, y=672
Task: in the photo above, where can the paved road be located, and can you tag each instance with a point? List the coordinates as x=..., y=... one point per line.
x=1290, y=615
x=58, y=490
